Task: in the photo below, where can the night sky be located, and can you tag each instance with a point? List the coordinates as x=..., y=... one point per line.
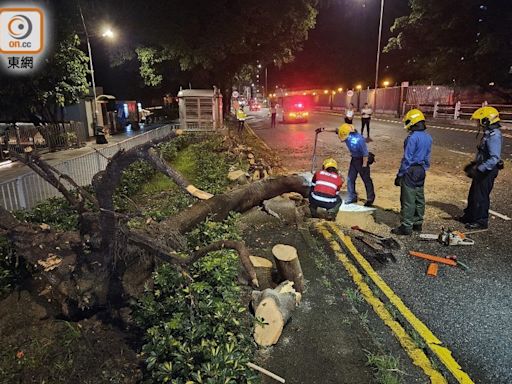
x=340, y=51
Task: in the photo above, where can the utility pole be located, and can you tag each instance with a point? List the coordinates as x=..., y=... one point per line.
x=378, y=56
x=102, y=139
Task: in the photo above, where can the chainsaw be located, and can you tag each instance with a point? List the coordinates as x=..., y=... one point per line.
x=449, y=237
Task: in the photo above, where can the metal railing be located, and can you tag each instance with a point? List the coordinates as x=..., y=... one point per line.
x=24, y=192
x=457, y=111
x=48, y=137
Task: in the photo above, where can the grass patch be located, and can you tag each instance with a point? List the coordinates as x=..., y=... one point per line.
x=385, y=368
x=353, y=295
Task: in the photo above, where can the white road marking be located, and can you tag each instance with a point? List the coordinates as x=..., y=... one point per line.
x=460, y=153
x=494, y=213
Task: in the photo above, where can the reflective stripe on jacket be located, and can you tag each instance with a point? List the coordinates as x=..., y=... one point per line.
x=326, y=185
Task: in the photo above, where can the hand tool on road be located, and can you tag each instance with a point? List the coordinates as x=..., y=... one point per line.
x=381, y=255
x=432, y=269
x=387, y=242
x=313, y=160
x=448, y=237
x=452, y=261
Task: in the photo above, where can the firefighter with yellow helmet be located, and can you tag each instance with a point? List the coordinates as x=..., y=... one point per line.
x=411, y=175
x=360, y=162
x=484, y=169
x=325, y=189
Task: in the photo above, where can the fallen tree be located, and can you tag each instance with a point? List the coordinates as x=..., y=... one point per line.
x=77, y=272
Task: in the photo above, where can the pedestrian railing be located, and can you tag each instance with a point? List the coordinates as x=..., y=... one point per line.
x=47, y=137
x=458, y=111
x=24, y=192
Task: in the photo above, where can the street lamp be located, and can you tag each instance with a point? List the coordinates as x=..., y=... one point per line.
x=108, y=33
x=386, y=83
x=359, y=87
x=340, y=90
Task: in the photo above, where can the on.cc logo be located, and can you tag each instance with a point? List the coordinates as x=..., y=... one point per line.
x=21, y=30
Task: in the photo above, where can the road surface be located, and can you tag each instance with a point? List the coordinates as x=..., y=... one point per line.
x=468, y=311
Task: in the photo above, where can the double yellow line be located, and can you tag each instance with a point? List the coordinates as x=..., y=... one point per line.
x=416, y=354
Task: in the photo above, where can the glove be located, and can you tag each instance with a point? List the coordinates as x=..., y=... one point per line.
x=471, y=170
x=318, y=130
x=398, y=181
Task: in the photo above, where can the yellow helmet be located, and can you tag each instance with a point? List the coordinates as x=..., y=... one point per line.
x=412, y=117
x=329, y=163
x=344, y=130
x=486, y=115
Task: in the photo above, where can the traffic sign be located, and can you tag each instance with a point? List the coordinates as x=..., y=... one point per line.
x=350, y=93
x=235, y=95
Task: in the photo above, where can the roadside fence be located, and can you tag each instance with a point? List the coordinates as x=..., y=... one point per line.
x=48, y=137
x=25, y=191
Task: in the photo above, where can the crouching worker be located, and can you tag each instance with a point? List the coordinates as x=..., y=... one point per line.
x=325, y=189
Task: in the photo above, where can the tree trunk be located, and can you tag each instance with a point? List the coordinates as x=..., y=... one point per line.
x=273, y=309
x=288, y=265
x=263, y=268
x=238, y=200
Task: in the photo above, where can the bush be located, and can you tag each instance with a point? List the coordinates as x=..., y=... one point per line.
x=198, y=331
x=212, y=166
x=132, y=180
x=9, y=270
x=56, y=212
x=169, y=150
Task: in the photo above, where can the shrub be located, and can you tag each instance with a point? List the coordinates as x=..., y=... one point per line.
x=9, y=270
x=56, y=212
x=132, y=180
x=169, y=150
x=198, y=331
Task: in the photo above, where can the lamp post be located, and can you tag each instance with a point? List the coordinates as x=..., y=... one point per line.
x=108, y=33
x=378, y=56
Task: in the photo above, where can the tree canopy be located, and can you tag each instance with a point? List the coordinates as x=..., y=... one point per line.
x=461, y=41
x=213, y=39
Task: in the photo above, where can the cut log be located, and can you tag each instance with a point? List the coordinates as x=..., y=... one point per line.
x=273, y=310
x=288, y=265
x=263, y=268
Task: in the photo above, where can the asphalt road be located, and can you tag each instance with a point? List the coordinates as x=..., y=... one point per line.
x=469, y=311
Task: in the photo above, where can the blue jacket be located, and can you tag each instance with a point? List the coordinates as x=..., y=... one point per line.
x=489, y=150
x=417, y=149
x=356, y=144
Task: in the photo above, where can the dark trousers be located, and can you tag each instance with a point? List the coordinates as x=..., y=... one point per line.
x=412, y=201
x=241, y=125
x=356, y=168
x=365, y=121
x=332, y=208
x=348, y=120
x=479, y=199
x=273, y=120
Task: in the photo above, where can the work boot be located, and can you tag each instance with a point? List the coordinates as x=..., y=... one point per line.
x=475, y=226
x=402, y=231
x=417, y=227
x=462, y=219
x=368, y=204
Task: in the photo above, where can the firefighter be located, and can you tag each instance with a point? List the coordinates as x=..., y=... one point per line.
x=325, y=189
x=359, y=164
x=484, y=169
x=412, y=173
